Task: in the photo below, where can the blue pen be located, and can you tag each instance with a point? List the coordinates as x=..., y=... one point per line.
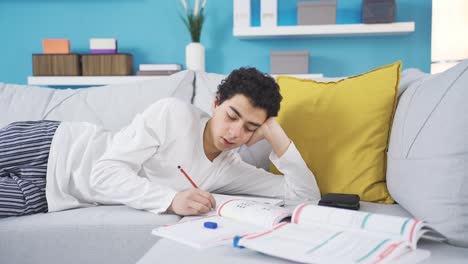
x=235, y=242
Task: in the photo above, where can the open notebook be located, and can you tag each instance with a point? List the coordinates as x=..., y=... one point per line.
x=315, y=234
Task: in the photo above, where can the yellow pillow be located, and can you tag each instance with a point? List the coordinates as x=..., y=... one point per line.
x=342, y=129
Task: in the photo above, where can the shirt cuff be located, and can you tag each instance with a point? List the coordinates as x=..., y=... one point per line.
x=165, y=203
x=289, y=155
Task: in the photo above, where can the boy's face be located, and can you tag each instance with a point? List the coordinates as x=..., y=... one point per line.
x=234, y=122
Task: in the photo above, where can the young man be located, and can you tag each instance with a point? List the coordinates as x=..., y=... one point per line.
x=53, y=166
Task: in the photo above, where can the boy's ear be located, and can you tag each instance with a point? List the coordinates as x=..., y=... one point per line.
x=215, y=102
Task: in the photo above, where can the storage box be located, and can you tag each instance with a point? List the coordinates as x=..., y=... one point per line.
x=316, y=12
x=289, y=62
x=55, y=46
x=56, y=65
x=107, y=64
x=378, y=11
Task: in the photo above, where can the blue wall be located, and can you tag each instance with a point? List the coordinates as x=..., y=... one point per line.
x=153, y=32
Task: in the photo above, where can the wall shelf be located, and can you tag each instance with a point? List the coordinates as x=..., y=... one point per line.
x=86, y=80
x=335, y=30
x=105, y=80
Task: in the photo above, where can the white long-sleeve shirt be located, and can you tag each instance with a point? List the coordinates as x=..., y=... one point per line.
x=138, y=165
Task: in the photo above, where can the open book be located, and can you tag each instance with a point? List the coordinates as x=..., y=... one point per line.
x=233, y=217
x=222, y=198
x=318, y=234
x=314, y=234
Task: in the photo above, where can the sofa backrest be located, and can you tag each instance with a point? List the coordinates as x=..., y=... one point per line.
x=111, y=106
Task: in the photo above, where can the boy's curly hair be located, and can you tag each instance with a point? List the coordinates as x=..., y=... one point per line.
x=260, y=88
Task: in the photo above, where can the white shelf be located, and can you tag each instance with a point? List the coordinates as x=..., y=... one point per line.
x=335, y=30
x=86, y=80
x=301, y=76
x=105, y=80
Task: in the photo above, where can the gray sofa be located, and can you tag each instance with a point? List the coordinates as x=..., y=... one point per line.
x=118, y=234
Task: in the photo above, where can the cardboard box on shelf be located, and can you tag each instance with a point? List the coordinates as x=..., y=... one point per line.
x=321, y=12
x=289, y=62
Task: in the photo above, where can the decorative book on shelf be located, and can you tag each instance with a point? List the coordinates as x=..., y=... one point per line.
x=156, y=73
x=160, y=67
x=107, y=64
x=56, y=65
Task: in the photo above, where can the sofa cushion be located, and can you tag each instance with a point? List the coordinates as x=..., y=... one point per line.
x=111, y=106
x=408, y=77
x=114, y=106
x=428, y=152
x=22, y=102
x=206, y=85
x=102, y=234
x=341, y=129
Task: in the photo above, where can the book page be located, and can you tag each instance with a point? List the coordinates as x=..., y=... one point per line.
x=265, y=215
x=236, y=217
x=404, y=228
x=222, y=198
x=194, y=234
x=319, y=244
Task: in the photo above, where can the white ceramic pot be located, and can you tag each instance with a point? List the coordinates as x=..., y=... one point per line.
x=195, y=57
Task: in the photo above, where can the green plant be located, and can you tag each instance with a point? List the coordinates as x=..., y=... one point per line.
x=194, y=18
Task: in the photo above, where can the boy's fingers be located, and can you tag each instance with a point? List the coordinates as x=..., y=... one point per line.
x=201, y=199
x=190, y=211
x=199, y=207
x=213, y=201
x=209, y=197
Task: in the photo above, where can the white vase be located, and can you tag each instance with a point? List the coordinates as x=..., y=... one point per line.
x=195, y=57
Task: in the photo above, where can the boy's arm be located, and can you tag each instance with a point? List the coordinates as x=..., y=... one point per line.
x=298, y=182
x=115, y=179
x=274, y=134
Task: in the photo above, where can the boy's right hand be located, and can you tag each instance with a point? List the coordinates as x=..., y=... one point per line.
x=192, y=202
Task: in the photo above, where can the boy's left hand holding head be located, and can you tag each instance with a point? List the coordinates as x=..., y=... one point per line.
x=272, y=131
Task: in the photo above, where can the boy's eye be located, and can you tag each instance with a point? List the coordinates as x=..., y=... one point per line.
x=251, y=129
x=231, y=117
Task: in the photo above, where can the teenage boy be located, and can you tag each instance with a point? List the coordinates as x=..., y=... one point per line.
x=170, y=158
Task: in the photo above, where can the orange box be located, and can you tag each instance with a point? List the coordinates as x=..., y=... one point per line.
x=55, y=46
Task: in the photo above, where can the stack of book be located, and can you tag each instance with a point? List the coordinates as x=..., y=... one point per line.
x=103, y=45
x=158, y=69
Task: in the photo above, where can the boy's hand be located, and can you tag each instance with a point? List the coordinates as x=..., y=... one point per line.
x=274, y=134
x=192, y=202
